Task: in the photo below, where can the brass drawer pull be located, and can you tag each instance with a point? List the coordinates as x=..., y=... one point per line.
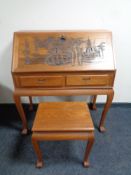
x=62, y=38
x=87, y=78
x=41, y=80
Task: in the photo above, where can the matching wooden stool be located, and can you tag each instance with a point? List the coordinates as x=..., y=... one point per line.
x=62, y=121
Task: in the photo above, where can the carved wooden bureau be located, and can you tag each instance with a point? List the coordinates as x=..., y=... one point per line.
x=63, y=63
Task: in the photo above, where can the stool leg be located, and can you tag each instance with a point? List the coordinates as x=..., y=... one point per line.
x=39, y=163
x=88, y=149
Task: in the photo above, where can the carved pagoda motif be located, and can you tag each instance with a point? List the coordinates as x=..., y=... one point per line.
x=62, y=50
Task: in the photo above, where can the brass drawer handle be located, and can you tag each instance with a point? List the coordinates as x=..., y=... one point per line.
x=87, y=78
x=41, y=80
x=62, y=38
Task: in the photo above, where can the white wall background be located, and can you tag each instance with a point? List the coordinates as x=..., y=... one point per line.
x=114, y=15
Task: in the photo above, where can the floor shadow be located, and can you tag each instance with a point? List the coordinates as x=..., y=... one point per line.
x=10, y=117
x=54, y=152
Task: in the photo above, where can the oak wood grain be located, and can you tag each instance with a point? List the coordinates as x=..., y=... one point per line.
x=63, y=116
x=63, y=63
x=62, y=121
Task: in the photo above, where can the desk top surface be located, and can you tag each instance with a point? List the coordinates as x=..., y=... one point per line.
x=61, y=51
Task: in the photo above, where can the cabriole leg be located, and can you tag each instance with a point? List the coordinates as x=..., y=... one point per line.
x=31, y=103
x=105, y=110
x=21, y=113
x=93, y=103
x=39, y=163
x=88, y=149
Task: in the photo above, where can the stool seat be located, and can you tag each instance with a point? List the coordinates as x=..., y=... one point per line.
x=62, y=121
x=63, y=116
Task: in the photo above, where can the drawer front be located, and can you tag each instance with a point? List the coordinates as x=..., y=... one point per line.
x=88, y=80
x=41, y=81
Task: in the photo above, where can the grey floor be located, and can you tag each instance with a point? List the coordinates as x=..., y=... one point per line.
x=111, y=154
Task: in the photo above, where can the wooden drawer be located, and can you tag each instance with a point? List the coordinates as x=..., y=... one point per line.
x=88, y=80
x=41, y=81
